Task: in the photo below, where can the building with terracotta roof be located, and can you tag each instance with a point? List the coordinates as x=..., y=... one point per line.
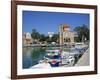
x=65, y=35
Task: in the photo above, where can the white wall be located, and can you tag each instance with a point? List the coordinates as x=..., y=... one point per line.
x=5, y=37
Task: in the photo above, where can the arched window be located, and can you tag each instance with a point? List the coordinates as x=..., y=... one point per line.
x=66, y=39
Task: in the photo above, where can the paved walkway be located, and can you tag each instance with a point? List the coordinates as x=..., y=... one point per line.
x=84, y=60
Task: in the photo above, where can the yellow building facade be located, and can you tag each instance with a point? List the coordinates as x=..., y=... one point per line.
x=65, y=35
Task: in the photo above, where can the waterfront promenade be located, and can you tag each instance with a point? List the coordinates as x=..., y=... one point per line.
x=84, y=60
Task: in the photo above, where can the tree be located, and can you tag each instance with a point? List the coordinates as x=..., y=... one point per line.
x=35, y=34
x=55, y=37
x=83, y=32
x=47, y=38
x=42, y=37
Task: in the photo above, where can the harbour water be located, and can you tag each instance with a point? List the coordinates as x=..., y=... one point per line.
x=31, y=56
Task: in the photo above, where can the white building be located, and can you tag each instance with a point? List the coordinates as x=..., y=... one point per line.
x=27, y=39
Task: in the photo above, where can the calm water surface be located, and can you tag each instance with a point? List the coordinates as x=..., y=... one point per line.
x=31, y=56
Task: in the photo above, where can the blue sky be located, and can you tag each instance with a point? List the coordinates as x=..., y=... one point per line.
x=45, y=22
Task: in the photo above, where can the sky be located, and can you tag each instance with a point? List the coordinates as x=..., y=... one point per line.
x=45, y=22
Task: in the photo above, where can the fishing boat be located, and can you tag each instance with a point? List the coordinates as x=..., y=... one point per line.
x=57, y=58
x=53, y=57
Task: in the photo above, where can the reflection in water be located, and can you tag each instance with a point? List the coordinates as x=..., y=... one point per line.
x=31, y=56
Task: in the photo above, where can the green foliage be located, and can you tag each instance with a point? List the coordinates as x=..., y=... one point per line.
x=83, y=32
x=35, y=34
x=42, y=37
x=55, y=38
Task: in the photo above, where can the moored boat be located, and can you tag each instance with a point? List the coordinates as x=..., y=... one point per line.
x=53, y=57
